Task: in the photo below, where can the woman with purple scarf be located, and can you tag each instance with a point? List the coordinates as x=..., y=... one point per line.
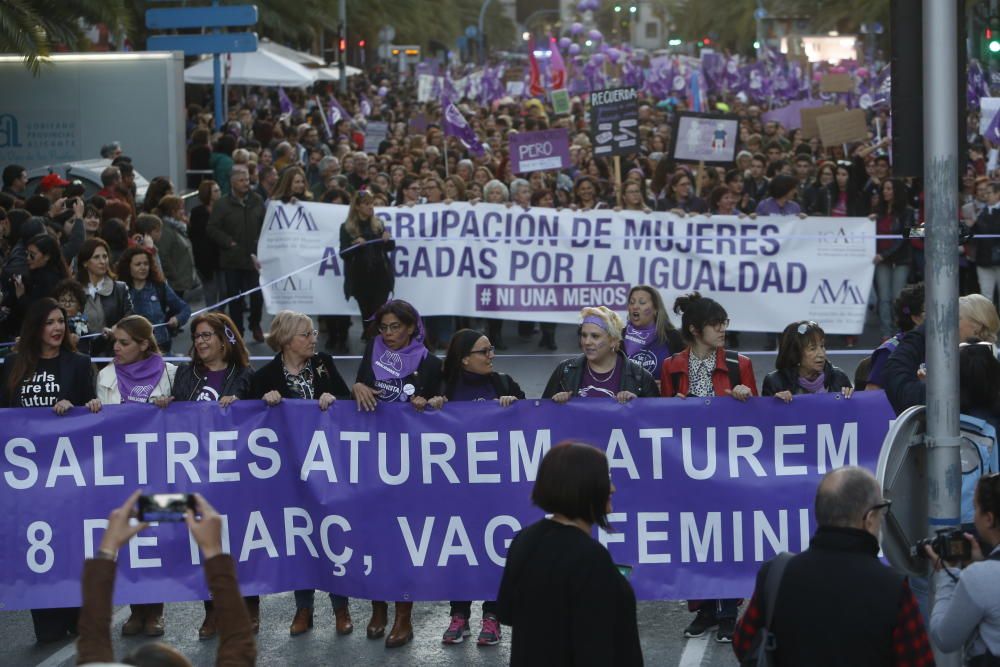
x=802, y=366
x=650, y=336
x=469, y=376
x=138, y=375
x=397, y=367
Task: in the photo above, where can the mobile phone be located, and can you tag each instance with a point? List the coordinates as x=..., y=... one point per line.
x=165, y=506
x=625, y=570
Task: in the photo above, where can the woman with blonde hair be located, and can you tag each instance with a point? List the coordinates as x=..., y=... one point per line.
x=292, y=186
x=977, y=318
x=602, y=370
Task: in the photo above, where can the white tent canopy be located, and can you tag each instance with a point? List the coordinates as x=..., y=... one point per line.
x=260, y=68
x=300, y=57
x=332, y=73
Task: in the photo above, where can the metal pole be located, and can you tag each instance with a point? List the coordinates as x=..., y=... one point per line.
x=217, y=82
x=479, y=34
x=343, y=56
x=940, y=64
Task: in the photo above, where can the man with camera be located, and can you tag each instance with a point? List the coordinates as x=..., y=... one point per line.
x=836, y=603
x=966, y=607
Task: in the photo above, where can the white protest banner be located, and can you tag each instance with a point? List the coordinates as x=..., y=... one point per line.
x=543, y=265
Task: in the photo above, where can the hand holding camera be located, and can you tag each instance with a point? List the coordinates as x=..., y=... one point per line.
x=954, y=547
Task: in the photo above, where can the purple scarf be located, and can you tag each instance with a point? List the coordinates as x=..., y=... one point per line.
x=817, y=386
x=137, y=380
x=395, y=364
x=637, y=339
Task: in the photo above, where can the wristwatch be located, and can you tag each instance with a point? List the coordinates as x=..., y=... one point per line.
x=106, y=554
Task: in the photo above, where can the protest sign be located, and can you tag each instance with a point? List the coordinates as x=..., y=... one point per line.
x=789, y=116
x=543, y=265
x=842, y=128
x=837, y=82
x=402, y=505
x=809, y=116
x=418, y=123
x=614, y=121
x=560, y=101
x=988, y=109
x=537, y=151
x=709, y=138
x=375, y=134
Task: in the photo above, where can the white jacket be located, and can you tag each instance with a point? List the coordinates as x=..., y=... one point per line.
x=107, y=384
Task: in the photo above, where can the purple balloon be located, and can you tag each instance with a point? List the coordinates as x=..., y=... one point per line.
x=574, y=49
x=383, y=91
x=564, y=42
x=614, y=55
x=595, y=35
x=583, y=6
x=597, y=59
x=576, y=29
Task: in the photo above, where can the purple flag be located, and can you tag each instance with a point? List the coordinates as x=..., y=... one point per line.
x=455, y=125
x=283, y=102
x=337, y=113
x=993, y=131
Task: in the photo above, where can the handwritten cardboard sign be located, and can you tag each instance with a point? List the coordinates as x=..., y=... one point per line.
x=842, y=128
x=809, y=116
x=837, y=82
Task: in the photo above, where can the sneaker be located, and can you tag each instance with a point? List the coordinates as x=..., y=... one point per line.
x=457, y=631
x=490, y=634
x=702, y=623
x=724, y=635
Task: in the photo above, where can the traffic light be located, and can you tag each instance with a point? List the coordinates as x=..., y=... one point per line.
x=361, y=44
x=991, y=40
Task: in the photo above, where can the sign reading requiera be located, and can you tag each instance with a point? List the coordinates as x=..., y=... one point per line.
x=614, y=121
x=537, y=151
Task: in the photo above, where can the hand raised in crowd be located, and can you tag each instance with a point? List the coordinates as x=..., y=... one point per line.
x=624, y=397
x=206, y=531
x=562, y=397
x=58, y=206
x=78, y=207
x=507, y=401
x=273, y=397
x=740, y=392
x=120, y=529
x=326, y=399
x=163, y=401
x=365, y=397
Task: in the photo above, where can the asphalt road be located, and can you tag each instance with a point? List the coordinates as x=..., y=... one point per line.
x=661, y=623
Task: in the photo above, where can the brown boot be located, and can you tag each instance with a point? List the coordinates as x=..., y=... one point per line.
x=153, y=625
x=302, y=622
x=345, y=625
x=208, y=628
x=253, y=607
x=378, y=621
x=402, y=629
x=133, y=625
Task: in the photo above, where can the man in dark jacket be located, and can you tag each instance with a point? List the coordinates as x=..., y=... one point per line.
x=234, y=226
x=903, y=387
x=836, y=603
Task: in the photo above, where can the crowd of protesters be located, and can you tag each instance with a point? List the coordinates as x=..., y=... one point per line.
x=113, y=275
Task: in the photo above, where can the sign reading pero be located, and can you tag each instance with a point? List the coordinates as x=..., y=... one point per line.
x=614, y=121
x=535, y=151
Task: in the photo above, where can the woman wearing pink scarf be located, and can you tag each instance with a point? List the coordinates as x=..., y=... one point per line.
x=138, y=375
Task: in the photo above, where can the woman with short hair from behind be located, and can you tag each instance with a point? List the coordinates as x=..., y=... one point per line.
x=563, y=596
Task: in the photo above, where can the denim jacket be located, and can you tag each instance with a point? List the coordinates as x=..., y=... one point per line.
x=158, y=303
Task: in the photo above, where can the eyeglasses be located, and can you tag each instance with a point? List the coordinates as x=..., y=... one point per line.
x=309, y=334
x=204, y=335
x=721, y=324
x=884, y=505
x=390, y=328
x=486, y=351
x=67, y=301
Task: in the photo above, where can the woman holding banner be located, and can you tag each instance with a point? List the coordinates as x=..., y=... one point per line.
x=138, y=375
x=704, y=369
x=293, y=187
x=365, y=245
x=602, y=370
x=397, y=366
x=680, y=198
x=649, y=337
x=469, y=376
x=802, y=366
x=46, y=371
x=298, y=371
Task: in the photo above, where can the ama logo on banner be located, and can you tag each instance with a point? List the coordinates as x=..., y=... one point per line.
x=845, y=293
x=299, y=220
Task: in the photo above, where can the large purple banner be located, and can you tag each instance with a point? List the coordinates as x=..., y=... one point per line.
x=398, y=505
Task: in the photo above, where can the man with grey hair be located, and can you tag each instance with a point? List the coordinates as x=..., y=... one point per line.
x=837, y=604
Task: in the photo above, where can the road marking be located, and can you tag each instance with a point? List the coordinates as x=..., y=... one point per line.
x=694, y=652
x=68, y=651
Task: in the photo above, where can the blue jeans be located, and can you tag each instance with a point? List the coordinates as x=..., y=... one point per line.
x=304, y=599
x=890, y=279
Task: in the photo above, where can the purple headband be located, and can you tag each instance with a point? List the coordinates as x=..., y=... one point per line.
x=597, y=322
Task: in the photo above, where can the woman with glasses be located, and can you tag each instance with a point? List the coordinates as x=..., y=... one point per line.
x=706, y=369
x=397, y=367
x=409, y=192
x=965, y=611
x=680, y=198
x=365, y=245
x=469, y=376
x=603, y=370
x=802, y=366
x=298, y=371
x=219, y=372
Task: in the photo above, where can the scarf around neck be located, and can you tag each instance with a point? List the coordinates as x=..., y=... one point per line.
x=136, y=381
x=817, y=386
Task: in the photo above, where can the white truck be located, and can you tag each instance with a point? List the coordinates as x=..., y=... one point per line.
x=80, y=102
